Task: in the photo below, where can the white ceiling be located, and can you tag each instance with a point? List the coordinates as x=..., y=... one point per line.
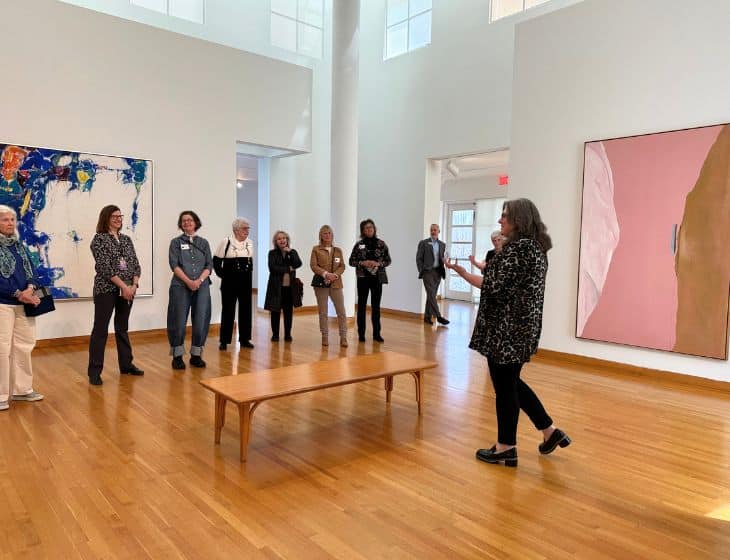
x=488, y=164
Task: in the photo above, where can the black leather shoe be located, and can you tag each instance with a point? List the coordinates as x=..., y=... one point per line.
x=361, y=338
x=378, y=338
x=95, y=380
x=443, y=320
x=223, y=346
x=558, y=437
x=288, y=338
x=132, y=370
x=246, y=344
x=274, y=338
x=177, y=363
x=509, y=457
x=428, y=320
x=197, y=361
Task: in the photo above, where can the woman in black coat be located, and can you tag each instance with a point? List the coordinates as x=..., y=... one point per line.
x=283, y=262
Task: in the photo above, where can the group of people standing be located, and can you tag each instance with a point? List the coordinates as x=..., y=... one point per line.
x=506, y=331
x=192, y=263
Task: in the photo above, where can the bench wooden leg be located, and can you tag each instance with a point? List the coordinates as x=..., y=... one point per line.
x=220, y=416
x=388, y=387
x=244, y=410
x=418, y=378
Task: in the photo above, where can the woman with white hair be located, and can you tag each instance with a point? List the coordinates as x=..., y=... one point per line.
x=18, y=282
x=233, y=263
x=498, y=241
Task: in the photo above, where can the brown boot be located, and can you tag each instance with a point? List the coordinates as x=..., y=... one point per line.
x=343, y=340
x=325, y=339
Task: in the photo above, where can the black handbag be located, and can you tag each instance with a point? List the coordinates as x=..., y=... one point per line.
x=297, y=292
x=318, y=282
x=45, y=306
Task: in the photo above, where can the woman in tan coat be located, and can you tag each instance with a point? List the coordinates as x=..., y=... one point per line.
x=328, y=263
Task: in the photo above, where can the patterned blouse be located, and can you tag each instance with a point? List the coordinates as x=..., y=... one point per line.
x=113, y=258
x=509, y=320
x=373, y=249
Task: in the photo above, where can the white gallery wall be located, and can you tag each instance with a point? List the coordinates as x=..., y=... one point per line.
x=91, y=82
x=451, y=97
x=604, y=69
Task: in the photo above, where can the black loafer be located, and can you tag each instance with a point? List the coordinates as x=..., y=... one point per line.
x=443, y=320
x=95, y=380
x=274, y=338
x=223, y=346
x=558, y=437
x=288, y=338
x=246, y=344
x=428, y=320
x=509, y=457
x=361, y=338
x=197, y=361
x=132, y=370
x=378, y=338
x=177, y=363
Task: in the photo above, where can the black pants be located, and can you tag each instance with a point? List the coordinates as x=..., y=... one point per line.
x=104, y=306
x=365, y=285
x=230, y=294
x=513, y=394
x=287, y=306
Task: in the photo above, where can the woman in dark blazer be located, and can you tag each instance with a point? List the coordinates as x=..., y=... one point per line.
x=283, y=262
x=508, y=326
x=370, y=257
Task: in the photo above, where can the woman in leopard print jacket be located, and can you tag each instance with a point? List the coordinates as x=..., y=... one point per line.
x=508, y=326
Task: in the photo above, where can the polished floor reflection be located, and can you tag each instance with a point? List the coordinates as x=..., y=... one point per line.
x=129, y=469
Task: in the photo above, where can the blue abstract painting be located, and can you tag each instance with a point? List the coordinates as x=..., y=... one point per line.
x=58, y=194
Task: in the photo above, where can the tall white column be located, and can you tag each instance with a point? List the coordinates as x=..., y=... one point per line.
x=345, y=59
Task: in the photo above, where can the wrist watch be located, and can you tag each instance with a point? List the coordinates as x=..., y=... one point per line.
x=16, y=294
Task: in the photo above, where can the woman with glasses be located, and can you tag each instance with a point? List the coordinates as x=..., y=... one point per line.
x=233, y=262
x=115, y=285
x=191, y=264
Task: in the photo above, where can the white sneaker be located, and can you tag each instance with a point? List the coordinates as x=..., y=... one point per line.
x=32, y=396
x=4, y=405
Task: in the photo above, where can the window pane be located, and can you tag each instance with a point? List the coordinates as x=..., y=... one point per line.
x=458, y=284
x=396, y=40
x=192, y=10
x=397, y=11
x=420, y=31
x=461, y=234
x=285, y=7
x=503, y=8
x=310, y=40
x=460, y=251
x=311, y=12
x=156, y=5
x=283, y=32
x=418, y=6
x=462, y=217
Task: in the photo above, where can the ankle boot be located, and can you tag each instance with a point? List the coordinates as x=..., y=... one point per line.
x=325, y=339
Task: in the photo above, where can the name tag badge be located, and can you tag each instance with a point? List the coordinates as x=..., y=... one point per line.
x=184, y=246
x=122, y=264
x=362, y=246
x=337, y=259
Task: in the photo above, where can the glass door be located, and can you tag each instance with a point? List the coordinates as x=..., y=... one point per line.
x=459, y=245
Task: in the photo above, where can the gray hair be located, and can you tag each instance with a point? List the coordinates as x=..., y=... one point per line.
x=9, y=210
x=496, y=234
x=240, y=223
x=277, y=234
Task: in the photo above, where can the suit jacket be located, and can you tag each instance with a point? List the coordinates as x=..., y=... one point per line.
x=424, y=257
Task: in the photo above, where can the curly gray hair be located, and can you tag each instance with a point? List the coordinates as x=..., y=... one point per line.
x=240, y=223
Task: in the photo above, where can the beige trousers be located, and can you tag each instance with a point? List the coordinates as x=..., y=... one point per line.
x=338, y=299
x=17, y=339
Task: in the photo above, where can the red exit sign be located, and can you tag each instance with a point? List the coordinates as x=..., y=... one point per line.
x=504, y=179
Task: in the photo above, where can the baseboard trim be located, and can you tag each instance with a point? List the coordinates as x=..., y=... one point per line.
x=134, y=336
x=607, y=367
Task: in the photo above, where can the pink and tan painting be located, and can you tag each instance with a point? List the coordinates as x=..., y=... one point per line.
x=655, y=241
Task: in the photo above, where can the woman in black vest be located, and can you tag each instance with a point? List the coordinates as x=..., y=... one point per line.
x=233, y=262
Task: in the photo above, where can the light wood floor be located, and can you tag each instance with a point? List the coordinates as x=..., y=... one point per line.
x=129, y=470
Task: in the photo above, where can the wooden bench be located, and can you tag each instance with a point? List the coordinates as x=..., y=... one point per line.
x=249, y=390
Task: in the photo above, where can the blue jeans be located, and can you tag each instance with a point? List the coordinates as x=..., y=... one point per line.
x=183, y=301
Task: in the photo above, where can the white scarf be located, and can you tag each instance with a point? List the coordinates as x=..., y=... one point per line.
x=236, y=249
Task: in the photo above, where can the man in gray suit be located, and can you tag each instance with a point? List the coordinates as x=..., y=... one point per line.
x=430, y=263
